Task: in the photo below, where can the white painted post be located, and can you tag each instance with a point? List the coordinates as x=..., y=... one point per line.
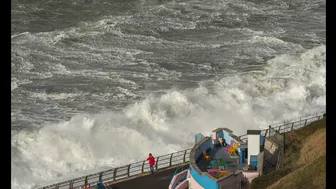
x=253, y=144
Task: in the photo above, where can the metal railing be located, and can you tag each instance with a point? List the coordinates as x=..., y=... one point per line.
x=280, y=130
x=285, y=127
x=282, y=145
x=163, y=161
x=122, y=172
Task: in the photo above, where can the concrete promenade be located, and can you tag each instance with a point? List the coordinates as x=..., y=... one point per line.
x=160, y=179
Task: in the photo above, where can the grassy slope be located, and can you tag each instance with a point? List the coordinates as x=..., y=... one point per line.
x=304, y=163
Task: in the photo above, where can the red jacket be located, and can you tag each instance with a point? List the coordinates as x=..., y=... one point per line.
x=151, y=160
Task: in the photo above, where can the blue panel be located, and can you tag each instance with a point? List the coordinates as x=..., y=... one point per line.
x=262, y=138
x=227, y=137
x=220, y=134
x=203, y=180
x=198, y=137
x=242, y=155
x=253, y=157
x=254, y=160
x=206, y=145
x=254, y=163
x=225, y=134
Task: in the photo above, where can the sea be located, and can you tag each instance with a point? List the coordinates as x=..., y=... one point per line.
x=97, y=84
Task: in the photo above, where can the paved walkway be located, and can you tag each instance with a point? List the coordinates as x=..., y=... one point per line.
x=160, y=179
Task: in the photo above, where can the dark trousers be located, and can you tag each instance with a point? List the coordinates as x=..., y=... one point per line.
x=151, y=167
x=223, y=144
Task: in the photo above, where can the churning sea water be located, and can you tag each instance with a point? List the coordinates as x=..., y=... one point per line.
x=100, y=83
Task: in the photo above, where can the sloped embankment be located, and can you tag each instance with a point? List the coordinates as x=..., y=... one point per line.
x=304, y=164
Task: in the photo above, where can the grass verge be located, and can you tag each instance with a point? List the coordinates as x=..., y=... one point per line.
x=304, y=163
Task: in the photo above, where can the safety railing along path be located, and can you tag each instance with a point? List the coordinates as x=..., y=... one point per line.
x=286, y=127
x=119, y=173
x=164, y=161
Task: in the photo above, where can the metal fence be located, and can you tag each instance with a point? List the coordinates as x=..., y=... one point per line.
x=284, y=130
x=164, y=161
x=285, y=127
x=277, y=133
x=122, y=172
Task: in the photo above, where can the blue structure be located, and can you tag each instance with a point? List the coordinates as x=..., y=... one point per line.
x=204, y=176
x=254, y=160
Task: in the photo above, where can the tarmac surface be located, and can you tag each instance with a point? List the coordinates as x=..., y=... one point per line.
x=157, y=180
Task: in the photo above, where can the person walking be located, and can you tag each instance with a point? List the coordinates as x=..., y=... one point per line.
x=151, y=160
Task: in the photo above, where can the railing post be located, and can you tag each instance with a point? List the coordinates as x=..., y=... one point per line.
x=114, y=174
x=71, y=184
x=185, y=153
x=288, y=127
x=86, y=182
x=128, y=170
x=170, y=161
x=143, y=166
x=292, y=126
x=285, y=127
x=279, y=129
x=284, y=143
x=305, y=122
x=157, y=162
x=269, y=131
x=266, y=133
x=100, y=177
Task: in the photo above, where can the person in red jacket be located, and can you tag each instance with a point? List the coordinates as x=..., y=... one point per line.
x=151, y=162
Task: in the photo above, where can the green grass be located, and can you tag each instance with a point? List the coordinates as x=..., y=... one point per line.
x=306, y=176
x=312, y=176
x=264, y=181
x=295, y=139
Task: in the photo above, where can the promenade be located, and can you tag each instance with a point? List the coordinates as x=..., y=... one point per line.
x=160, y=179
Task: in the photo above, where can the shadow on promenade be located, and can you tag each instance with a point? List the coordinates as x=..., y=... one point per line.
x=160, y=179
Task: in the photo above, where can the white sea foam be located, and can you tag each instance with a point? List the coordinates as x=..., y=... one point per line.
x=291, y=86
x=124, y=92
x=14, y=85
x=54, y=96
